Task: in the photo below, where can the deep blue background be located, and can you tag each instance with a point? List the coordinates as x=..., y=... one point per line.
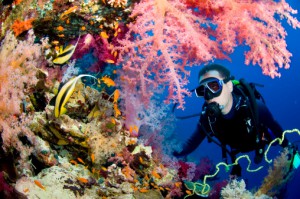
x=281, y=95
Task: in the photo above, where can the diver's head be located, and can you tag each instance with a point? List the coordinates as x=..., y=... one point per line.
x=215, y=86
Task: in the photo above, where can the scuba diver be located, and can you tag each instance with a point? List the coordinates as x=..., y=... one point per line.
x=234, y=113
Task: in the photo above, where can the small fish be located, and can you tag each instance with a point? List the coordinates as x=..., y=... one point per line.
x=143, y=190
x=178, y=184
x=188, y=192
x=110, y=61
x=72, y=9
x=65, y=54
x=103, y=168
x=64, y=95
x=146, y=177
x=141, y=160
x=108, y=81
x=116, y=25
x=93, y=157
x=80, y=160
x=56, y=48
x=132, y=142
x=104, y=35
x=73, y=162
x=133, y=129
x=83, y=180
x=134, y=188
x=115, y=53
x=60, y=28
x=117, y=110
x=156, y=175
x=113, y=121
x=116, y=34
x=55, y=42
x=116, y=95
x=39, y=184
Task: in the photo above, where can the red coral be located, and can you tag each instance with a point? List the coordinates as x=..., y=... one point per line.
x=203, y=168
x=183, y=169
x=215, y=193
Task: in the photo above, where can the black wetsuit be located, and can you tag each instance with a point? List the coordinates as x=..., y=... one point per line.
x=236, y=129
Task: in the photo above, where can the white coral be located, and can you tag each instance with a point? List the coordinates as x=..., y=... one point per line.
x=237, y=189
x=117, y=3
x=71, y=71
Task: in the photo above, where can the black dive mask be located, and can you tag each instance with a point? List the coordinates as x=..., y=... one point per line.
x=209, y=95
x=213, y=110
x=211, y=87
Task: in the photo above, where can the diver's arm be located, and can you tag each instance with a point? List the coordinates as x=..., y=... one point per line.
x=193, y=142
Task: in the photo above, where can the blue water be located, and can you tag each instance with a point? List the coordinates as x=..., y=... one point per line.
x=282, y=97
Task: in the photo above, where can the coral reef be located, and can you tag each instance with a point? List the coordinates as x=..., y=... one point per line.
x=278, y=175
x=173, y=34
x=237, y=189
x=112, y=136
x=56, y=181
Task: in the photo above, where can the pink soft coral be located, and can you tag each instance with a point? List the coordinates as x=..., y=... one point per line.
x=18, y=70
x=168, y=35
x=254, y=24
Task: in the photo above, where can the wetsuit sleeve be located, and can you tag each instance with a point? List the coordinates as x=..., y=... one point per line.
x=193, y=142
x=267, y=120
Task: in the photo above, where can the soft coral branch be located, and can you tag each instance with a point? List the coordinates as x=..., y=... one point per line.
x=255, y=24
x=165, y=37
x=168, y=35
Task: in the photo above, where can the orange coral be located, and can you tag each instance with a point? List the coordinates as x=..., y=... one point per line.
x=17, y=2
x=20, y=26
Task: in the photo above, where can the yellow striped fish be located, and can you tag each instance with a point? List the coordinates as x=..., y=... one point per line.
x=65, y=54
x=64, y=95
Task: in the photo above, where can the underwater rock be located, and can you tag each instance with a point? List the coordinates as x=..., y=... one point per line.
x=56, y=182
x=141, y=147
x=44, y=153
x=151, y=194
